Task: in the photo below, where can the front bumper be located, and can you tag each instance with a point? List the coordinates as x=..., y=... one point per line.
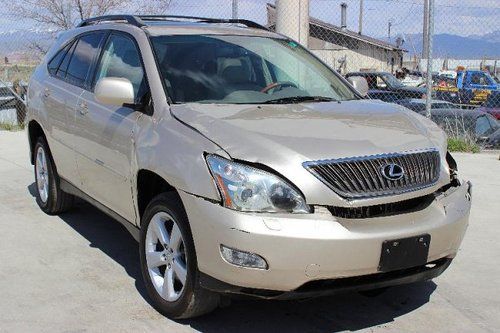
x=335, y=286
x=303, y=248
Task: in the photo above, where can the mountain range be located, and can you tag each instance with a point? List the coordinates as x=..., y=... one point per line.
x=457, y=47
x=14, y=42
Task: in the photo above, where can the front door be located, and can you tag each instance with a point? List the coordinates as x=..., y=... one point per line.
x=105, y=146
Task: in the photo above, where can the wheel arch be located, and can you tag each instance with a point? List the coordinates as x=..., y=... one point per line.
x=34, y=132
x=149, y=185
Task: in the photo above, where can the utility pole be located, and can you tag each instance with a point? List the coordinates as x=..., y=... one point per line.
x=389, y=30
x=360, y=29
x=235, y=9
x=425, y=30
x=428, y=55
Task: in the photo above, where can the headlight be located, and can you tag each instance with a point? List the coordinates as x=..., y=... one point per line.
x=247, y=189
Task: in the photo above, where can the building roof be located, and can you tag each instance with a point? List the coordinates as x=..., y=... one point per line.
x=317, y=24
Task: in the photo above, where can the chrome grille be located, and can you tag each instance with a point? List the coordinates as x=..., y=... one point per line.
x=361, y=177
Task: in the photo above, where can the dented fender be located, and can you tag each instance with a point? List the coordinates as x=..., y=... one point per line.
x=175, y=152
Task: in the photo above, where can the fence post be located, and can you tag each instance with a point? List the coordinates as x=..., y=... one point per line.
x=235, y=9
x=429, y=34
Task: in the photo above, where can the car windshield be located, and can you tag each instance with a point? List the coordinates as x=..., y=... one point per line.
x=392, y=81
x=227, y=69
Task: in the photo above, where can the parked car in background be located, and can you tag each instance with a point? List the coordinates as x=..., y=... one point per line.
x=418, y=105
x=448, y=73
x=470, y=87
x=386, y=87
x=410, y=78
x=413, y=81
x=492, y=105
x=480, y=126
x=12, y=102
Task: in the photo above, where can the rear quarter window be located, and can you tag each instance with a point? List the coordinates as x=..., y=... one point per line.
x=54, y=64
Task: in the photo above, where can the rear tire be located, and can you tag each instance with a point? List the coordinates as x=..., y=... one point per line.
x=168, y=261
x=49, y=196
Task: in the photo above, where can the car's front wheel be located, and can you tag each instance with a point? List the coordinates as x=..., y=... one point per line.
x=168, y=261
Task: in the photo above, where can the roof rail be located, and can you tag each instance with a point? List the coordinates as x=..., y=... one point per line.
x=138, y=21
x=248, y=23
x=130, y=19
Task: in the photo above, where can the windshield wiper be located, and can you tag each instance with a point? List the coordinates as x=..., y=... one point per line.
x=300, y=99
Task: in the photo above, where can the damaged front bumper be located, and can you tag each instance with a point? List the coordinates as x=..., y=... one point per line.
x=317, y=254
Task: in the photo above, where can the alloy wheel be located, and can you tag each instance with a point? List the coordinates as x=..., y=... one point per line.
x=166, y=256
x=42, y=174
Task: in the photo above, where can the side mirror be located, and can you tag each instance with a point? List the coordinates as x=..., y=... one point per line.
x=114, y=91
x=360, y=84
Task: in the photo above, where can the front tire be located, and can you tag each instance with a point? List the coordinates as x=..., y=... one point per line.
x=49, y=196
x=168, y=261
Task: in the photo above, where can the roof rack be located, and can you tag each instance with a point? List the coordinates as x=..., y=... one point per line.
x=130, y=19
x=138, y=21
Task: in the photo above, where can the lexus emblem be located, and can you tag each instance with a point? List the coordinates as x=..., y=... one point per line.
x=392, y=171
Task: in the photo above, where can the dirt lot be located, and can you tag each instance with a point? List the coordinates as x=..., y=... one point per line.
x=79, y=272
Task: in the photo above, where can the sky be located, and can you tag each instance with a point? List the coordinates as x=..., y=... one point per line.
x=461, y=17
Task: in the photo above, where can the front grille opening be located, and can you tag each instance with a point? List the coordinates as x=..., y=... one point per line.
x=388, y=209
x=363, y=177
x=320, y=285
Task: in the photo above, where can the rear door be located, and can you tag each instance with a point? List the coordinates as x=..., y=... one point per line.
x=73, y=77
x=59, y=99
x=105, y=146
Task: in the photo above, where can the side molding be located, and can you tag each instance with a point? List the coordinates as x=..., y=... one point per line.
x=72, y=189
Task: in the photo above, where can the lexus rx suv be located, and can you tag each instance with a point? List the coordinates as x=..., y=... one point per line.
x=241, y=163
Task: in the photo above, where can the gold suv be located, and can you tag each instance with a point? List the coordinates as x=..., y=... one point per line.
x=240, y=162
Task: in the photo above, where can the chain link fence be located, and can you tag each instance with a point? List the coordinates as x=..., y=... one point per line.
x=387, y=42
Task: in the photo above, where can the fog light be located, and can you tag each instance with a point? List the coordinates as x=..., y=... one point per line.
x=242, y=258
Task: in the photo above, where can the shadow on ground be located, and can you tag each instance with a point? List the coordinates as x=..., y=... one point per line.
x=347, y=312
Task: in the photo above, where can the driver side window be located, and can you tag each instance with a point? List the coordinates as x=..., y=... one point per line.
x=121, y=59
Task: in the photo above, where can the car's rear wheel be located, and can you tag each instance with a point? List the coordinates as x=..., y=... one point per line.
x=168, y=261
x=49, y=196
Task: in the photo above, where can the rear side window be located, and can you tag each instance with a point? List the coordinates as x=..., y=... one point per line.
x=83, y=56
x=57, y=59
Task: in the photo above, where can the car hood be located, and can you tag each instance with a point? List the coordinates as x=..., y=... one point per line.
x=312, y=131
x=284, y=136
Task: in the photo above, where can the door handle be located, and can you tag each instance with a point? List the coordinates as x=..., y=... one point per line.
x=46, y=92
x=83, y=108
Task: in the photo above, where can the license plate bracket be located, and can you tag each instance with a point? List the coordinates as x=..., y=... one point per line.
x=404, y=253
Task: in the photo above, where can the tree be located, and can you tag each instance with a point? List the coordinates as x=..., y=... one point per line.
x=61, y=14
x=155, y=7
x=57, y=15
